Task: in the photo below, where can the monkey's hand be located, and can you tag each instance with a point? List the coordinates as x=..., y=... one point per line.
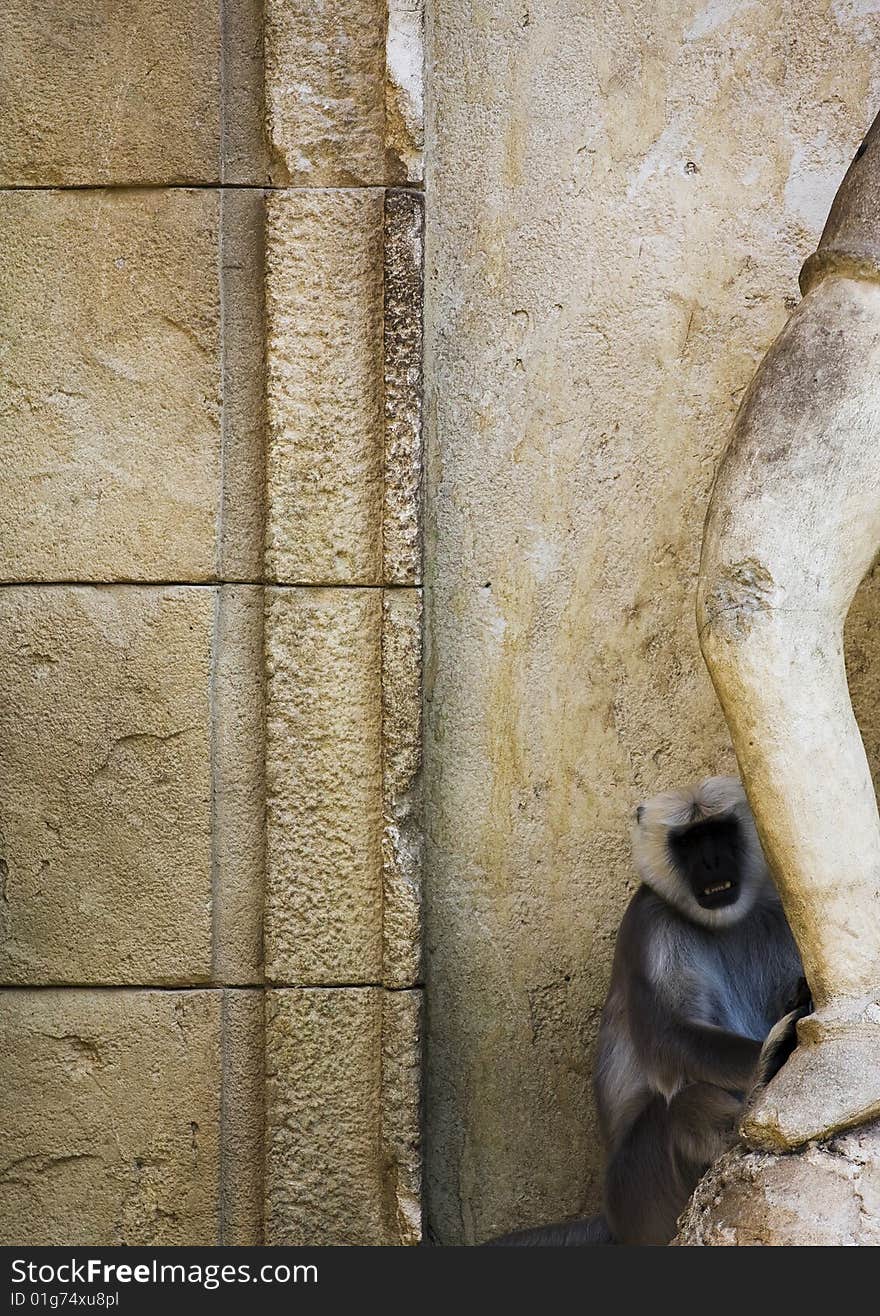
x=705, y=1119
x=781, y=1040
x=802, y=998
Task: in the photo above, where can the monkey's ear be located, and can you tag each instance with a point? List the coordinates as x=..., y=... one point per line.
x=640, y=812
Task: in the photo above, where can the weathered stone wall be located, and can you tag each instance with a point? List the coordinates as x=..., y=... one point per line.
x=619, y=198
x=210, y=348
x=210, y=572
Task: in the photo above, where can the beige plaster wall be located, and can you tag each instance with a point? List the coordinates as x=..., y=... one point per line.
x=619, y=199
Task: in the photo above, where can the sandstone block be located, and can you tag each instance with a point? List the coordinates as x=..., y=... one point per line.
x=323, y=786
x=245, y=149
x=343, y=309
x=343, y=884
x=122, y=93
x=344, y=92
x=110, y=1108
x=243, y=1118
x=147, y=92
x=402, y=1063
x=243, y=422
x=324, y=474
x=106, y=809
x=239, y=796
x=110, y=456
x=404, y=90
x=342, y=1117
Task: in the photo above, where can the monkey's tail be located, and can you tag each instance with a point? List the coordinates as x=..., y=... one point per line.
x=569, y=1233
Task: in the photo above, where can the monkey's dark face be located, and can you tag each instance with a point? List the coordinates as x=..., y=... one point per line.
x=697, y=848
x=708, y=855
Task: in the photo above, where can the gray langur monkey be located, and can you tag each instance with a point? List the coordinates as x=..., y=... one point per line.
x=706, y=988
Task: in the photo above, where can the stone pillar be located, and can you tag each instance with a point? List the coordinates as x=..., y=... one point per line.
x=792, y=529
x=210, y=309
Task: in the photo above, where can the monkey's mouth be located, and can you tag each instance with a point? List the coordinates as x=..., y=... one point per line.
x=707, y=854
x=715, y=895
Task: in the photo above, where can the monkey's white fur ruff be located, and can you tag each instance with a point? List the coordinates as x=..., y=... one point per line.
x=711, y=798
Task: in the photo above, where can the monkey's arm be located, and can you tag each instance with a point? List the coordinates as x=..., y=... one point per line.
x=677, y=1047
x=706, y=1054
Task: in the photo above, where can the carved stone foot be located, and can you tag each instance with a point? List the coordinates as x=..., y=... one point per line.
x=831, y=1082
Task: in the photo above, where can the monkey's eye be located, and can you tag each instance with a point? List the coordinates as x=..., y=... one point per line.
x=640, y=813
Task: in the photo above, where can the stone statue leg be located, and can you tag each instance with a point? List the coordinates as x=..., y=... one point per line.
x=793, y=526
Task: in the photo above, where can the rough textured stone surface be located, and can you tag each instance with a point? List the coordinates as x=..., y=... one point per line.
x=827, y=1195
x=323, y=786
x=342, y=1117
x=343, y=798
x=401, y=786
x=110, y=454
x=324, y=469
x=613, y=243
x=133, y=836
x=147, y=92
x=92, y=92
x=344, y=92
x=110, y=1107
x=325, y=113
x=402, y=1068
x=401, y=512
x=344, y=345
x=106, y=808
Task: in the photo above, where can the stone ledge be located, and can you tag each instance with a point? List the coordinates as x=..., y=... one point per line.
x=827, y=1195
